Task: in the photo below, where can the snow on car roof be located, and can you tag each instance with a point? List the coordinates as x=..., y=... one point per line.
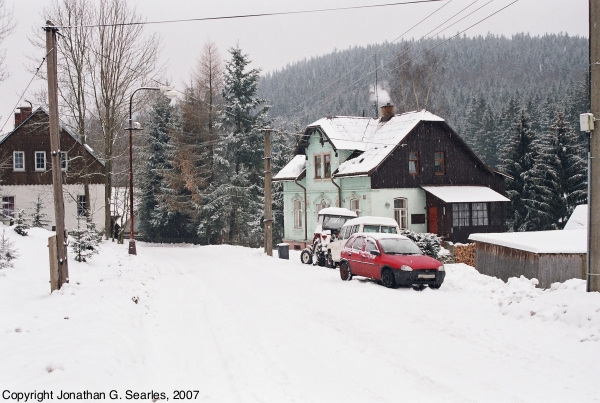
x=371, y=220
x=337, y=211
x=381, y=235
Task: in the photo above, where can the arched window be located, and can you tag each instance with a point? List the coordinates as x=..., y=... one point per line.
x=297, y=214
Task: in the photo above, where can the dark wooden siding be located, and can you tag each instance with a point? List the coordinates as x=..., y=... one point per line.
x=461, y=165
x=34, y=135
x=503, y=263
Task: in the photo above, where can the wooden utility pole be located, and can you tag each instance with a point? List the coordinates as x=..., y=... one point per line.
x=594, y=175
x=55, y=157
x=268, y=200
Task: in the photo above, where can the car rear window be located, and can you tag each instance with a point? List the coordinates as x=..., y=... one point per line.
x=395, y=246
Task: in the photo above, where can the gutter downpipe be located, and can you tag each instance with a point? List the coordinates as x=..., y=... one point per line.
x=305, y=211
x=339, y=191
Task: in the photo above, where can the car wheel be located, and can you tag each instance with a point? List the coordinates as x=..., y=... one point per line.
x=418, y=287
x=345, y=272
x=434, y=286
x=306, y=257
x=387, y=278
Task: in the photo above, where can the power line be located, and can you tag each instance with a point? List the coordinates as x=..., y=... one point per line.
x=252, y=15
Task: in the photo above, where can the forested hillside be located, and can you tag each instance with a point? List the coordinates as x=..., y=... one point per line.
x=458, y=75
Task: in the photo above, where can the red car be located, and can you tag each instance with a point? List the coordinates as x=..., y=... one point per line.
x=393, y=259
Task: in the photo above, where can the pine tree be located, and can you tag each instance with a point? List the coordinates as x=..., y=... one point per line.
x=158, y=213
x=21, y=224
x=234, y=203
x=8, y=252
x=39, y=218
x=519, y=158
x=85, y=241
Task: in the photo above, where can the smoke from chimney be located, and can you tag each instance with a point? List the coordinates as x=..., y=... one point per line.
x=379, y=95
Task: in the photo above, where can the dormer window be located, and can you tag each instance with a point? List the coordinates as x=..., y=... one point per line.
x=19, y=161
x=322, y=166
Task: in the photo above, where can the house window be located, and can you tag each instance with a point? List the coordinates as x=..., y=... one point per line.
x=8, y=206
x=81, y=206
x=40, y=160
x=413, y=163
x=19, y=161
x=355, y=206
x=439, y=164
x=401, y=212
x=321, y=205
x=63, y=160
x=480, y=213
x=461, y=216
x=322, y=166
x=297, y=214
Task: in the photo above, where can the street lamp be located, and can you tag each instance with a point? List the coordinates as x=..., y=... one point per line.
x=169, y=93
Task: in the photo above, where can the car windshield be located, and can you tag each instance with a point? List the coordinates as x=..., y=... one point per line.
x=396, y=246
x=334, y=222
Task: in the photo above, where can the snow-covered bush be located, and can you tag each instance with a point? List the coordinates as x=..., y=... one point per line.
x=430, y=244
x=7, y=251
x=21, y=225
x=85, y=242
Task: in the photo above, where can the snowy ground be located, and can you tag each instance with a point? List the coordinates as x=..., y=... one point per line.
x=239, y=326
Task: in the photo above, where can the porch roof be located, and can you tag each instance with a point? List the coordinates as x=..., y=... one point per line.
x=465, y=194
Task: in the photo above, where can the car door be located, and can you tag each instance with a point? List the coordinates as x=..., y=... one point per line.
x=355, y=256
x=370, y=262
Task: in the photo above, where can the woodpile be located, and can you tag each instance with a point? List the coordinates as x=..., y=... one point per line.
x=465, y=253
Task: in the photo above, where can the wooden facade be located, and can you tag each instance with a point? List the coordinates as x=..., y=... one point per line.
x=461, y=167
x=504, y=262
x=33, y=135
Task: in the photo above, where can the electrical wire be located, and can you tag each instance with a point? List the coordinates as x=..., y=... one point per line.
x=251, y=15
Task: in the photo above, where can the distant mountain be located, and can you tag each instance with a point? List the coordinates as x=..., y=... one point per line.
x=531, y=70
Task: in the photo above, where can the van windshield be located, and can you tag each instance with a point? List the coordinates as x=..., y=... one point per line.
x=396, y=246
x=388, y=230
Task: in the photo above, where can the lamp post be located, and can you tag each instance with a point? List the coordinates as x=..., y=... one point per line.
x=169, y=93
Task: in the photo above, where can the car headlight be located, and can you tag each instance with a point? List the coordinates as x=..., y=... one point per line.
x=406, y=268
x=441, y=268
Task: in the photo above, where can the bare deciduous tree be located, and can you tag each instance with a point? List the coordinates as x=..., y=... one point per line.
x=7, y=24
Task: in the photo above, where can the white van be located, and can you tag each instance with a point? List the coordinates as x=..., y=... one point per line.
x=384, y=225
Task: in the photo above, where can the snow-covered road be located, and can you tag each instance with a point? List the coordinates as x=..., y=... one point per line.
x=237, y=325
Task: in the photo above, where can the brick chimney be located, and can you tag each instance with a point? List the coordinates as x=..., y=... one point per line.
x=387, y=112
x=24, y=113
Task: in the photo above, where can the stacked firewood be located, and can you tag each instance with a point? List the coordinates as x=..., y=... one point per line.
x=465, y=253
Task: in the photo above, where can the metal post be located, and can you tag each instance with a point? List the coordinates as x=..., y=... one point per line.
x=55, y=156
x=594, y=180
x=268, y=201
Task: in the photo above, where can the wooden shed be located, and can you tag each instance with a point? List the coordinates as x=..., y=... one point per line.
x=549, y=256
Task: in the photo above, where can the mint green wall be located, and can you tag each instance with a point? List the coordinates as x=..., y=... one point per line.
x=372, y=202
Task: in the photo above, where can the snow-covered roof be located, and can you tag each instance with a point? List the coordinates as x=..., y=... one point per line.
x=464, y=194
x=558, y=241
x=375, y=220
x=376, y=138
x=579, y=218
x=293, y=169
x=337, y=211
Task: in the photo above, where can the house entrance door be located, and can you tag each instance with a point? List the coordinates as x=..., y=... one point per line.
x=432, y=220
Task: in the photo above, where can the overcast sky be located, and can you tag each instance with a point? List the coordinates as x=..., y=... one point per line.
x=274, y=41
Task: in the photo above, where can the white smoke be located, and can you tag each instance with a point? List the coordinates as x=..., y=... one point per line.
x=379, y=95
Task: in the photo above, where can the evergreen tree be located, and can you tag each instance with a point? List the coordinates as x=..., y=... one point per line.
x=21, y=224
x=85, y=241
x=8, y=252
x=39, y=218
x=234, y=203
x=519, y=158
x=158, y=213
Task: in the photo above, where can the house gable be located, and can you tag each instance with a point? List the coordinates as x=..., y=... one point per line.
x=31, y=137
